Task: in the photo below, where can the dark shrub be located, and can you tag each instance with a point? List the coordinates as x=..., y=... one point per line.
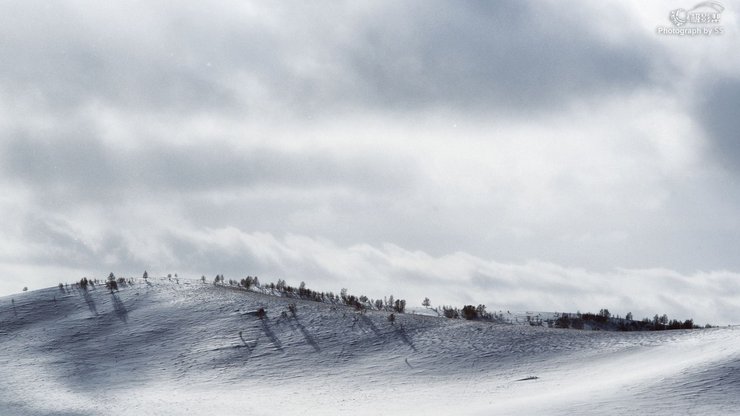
x=469, y=312
x=576, y=323
x=563, y=321
x=450, y=312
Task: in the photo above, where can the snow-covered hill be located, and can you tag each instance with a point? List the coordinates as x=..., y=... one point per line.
x=168, y=348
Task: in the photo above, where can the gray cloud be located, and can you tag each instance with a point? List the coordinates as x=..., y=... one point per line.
x=476, y=55
x=390, y=56
x=70, y=165
x=718, y=115
x=416, y=144
x=84, y=168
x=65, y=56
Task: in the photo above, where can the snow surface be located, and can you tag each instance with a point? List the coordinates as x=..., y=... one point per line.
x=168, y=348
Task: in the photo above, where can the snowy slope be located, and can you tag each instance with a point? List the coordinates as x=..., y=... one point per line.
x=163, y=348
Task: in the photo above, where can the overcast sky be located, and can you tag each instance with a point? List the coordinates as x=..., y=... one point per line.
x=555, y=156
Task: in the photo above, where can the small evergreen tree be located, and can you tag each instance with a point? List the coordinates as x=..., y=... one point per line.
x=481, y=311
x=247, y=283
x=111, y=284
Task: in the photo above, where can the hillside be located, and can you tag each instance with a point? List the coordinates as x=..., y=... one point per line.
x=168, y=348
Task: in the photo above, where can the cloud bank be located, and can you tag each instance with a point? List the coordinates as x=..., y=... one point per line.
x=523, y=155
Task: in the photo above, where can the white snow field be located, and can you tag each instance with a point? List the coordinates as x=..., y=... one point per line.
x=163, y=348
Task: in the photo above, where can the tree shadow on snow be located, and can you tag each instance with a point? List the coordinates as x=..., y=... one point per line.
x=90, y=302
x=119, y=308
x=369, y=323
x=245, y=344
x=271, y=335
x=309, y=338
x=401, y=332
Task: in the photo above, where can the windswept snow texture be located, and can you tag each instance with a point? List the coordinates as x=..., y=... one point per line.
x=168, y=348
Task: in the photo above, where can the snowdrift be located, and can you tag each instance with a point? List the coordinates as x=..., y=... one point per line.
x=172, y=348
